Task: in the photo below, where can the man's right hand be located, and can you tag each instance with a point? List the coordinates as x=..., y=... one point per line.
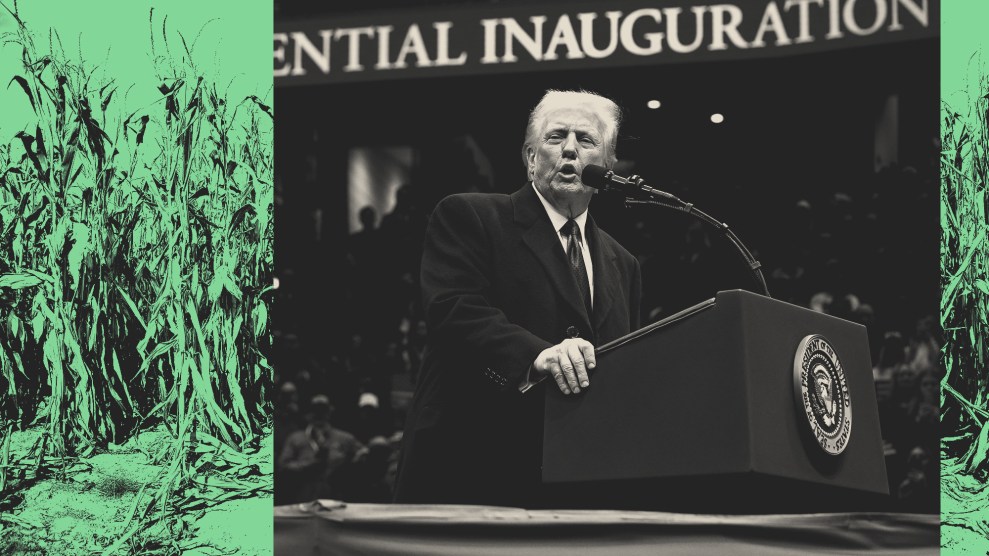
x=568, y=363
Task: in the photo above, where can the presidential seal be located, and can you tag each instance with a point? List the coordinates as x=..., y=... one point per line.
x=821, y=390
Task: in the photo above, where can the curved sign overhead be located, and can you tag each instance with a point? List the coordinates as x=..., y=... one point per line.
x=470, y=40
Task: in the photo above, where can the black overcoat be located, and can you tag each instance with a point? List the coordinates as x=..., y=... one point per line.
x=497, y=290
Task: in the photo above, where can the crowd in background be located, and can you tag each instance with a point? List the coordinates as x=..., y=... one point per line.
x=858, y=254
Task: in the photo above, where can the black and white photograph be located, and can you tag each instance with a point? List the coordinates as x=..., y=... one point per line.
x=622, y=277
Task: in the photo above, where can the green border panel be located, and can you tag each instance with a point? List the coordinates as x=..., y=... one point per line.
x=136, y=237
x=965, y=291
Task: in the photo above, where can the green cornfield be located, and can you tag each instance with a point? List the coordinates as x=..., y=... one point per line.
x=135, y=280
x=965, y=316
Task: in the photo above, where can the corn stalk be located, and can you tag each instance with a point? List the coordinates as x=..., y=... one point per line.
x=965, y=309
x=135, y=255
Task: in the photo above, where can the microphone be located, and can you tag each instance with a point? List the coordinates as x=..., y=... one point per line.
x=604, y=179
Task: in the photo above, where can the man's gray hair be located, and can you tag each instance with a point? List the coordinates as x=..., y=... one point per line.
x=604, y=107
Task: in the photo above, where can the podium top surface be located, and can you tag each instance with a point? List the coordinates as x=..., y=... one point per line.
x=721, y=297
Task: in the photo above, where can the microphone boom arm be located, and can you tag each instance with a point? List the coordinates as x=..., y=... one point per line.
x=673, y=203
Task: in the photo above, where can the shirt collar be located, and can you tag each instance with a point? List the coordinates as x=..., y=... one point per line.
x=558, y=219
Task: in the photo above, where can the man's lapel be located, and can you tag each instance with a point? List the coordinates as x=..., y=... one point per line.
x=606, y=277
x=539, y=236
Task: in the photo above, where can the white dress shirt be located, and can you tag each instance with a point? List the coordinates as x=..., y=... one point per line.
x=558, y=221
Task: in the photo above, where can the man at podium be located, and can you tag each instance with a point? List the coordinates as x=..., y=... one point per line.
x=516, y=288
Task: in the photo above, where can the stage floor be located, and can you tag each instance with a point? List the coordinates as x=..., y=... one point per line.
x=331, y=527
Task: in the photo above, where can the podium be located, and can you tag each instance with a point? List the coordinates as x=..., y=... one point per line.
x=701, y=412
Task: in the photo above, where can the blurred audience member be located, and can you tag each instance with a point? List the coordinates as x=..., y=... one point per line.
x=312, y=456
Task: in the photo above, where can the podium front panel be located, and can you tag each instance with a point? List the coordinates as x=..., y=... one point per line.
x=712, y=395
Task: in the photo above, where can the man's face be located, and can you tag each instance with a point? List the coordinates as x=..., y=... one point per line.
x=571, y=138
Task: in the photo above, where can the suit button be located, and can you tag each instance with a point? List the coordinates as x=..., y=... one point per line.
x=572, y=332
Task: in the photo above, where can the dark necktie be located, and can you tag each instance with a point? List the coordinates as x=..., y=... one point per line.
x=571, y=231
